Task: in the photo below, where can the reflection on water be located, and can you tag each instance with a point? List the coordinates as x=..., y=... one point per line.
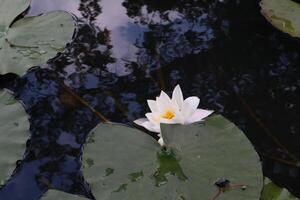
x=144, y=38
x=124, y=36
x=41, y=6
x=172, y=33
x=125, y=52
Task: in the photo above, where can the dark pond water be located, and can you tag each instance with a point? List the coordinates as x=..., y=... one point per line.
x=125, y=52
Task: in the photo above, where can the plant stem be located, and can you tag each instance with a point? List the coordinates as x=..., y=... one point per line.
x=217, y=195
x=104, y=119
x=266, y=130
x=287, y=162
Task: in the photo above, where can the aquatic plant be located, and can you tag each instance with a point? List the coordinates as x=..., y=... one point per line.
x=14, y=132
x=172, y=111
x=30, y=41
x=283, y=15
x=125, y=163
x=272, y=191
x=209, y=159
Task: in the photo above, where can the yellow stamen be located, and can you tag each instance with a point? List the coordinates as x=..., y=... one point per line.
x=169, y=114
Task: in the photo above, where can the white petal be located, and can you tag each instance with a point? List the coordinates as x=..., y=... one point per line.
x=199, y=115
x=152, y=127
x=161, y=142
x=152, y=105
x=159, y=105
x=190, y=106
x=164, y=101
x=164, y=96
x=144, y=122
x=168, y=121
x=179, y=117
x=177, y=96
x=174, y=105
x=153, y=118
x=140, y=121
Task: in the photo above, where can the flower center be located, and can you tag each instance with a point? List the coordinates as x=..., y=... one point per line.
x=169, y=114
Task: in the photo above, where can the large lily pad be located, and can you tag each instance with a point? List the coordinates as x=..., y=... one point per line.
x=14, y=132
x=273, y=192
x=124, y=163
x=283, y=14
x=31, y=41
x=58, y=195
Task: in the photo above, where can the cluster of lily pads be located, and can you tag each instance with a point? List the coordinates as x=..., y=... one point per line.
x=200, y=155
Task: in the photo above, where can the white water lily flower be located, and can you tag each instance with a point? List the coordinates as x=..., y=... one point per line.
x=172, y=111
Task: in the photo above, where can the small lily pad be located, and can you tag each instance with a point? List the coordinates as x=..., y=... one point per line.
x=9, y=10
x=273, y=192
x=58, y=195
x=195, y=157
x=14, y=132
x=30, y=41
x=283, y=14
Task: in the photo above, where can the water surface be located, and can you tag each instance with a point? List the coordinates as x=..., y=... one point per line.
x=125, y=52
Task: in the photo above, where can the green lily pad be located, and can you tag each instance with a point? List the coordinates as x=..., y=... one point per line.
x=125, y=163
x=14, y=132
x=9, y=10
x=284, y=15
x=119, y=162
x=31, y=41
x=58, y=195
x=273, y=192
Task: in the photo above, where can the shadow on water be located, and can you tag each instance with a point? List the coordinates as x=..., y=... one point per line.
x=125, y=52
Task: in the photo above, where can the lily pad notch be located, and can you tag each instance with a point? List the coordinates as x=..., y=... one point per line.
x=196, y=156
x=31, y=41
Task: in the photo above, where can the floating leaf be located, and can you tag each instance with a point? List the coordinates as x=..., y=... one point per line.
x=283, y=14
x=14, y=132
x=31, y=41
x=119, y=162
x=219, y=149
x=273, y=192
x=196, y=157
x=9, y=10
x=58, y=195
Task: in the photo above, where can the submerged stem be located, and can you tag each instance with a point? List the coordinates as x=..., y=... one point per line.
x=104, y=119
x=287, y=162
x=217, y=195
x=266, y=130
